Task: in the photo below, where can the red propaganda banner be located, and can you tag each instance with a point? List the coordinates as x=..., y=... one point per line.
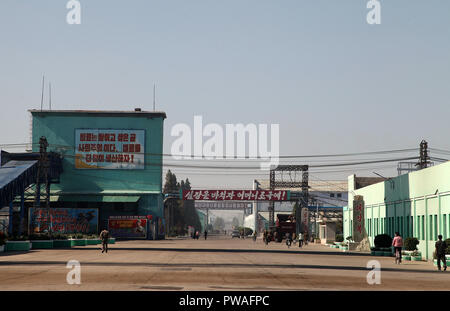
x=236, y=195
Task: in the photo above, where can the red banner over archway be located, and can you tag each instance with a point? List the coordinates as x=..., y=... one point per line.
x=236, y=195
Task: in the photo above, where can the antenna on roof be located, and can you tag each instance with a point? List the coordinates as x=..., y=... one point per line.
x=42, y=97
x=154, y=92
x=49, y=96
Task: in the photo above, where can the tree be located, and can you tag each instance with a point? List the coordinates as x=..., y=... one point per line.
x=170, y=184
x=235, y=222
x=191, y=217
x=172, y=212
x=181, y=213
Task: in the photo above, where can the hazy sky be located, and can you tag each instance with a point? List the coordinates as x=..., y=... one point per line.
x=334, y=83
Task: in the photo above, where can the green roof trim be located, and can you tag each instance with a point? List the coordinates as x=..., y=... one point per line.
x=96, y=198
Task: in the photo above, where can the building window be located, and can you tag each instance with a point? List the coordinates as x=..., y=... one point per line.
x=407, y=226
x=435, y=228
x=331, y=195
x=418, y=233
x=444, y=231
x=339, y=195
x=430, y=227
x=423, y=227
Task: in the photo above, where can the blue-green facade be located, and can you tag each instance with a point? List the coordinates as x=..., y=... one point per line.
x=118, y=192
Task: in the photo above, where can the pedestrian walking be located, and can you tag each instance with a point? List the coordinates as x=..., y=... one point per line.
x=288, y=239
x=441, y=246
x=300, y=239
x=104, y=237
x=397, y=242
x=265, y=237
x=254, y=236
x=305, y=239
x=206, y=234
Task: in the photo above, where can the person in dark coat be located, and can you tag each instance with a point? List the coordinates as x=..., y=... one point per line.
x=104, y=237
x=441, y=247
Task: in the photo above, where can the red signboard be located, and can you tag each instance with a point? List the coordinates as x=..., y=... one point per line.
x=236, y=195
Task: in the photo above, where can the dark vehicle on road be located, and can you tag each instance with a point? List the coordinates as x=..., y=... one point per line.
x=236, y=234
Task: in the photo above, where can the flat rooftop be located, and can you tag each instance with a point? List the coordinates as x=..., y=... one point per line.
x=127, y=113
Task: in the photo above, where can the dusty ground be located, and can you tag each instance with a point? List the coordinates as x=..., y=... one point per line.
x=214, y=264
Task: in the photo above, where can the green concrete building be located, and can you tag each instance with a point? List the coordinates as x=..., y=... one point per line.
x=112, y=160
x=415, y=204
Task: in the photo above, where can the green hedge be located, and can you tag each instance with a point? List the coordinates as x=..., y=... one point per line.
x=411, y=244
x=383, y=240
x=447, y=241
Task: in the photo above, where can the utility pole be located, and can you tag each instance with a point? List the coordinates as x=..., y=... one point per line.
x=243, y=221
x=317, y=216
x=256, y=185
x=42, y=174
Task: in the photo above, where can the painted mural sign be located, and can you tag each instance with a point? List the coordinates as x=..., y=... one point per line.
x=63, y=220
x=128, y=226
x=358, y=218
x=109, y=149
x=236, y=195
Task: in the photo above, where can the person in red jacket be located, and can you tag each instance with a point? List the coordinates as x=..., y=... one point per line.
x=397, y=242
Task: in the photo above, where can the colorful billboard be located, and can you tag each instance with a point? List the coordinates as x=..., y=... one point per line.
x=236, y=195
x=109, y=149
x=63, y=220
x=134, y=227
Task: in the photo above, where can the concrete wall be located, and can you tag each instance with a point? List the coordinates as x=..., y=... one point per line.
x=327, y=232
x=415, y=204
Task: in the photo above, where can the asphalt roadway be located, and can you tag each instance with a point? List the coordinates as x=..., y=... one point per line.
x=217, y=263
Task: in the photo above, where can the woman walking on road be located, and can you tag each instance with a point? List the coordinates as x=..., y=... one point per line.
x=397, y=242
x=104, y=237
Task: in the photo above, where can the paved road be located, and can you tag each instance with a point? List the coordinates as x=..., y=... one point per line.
x=214, y=264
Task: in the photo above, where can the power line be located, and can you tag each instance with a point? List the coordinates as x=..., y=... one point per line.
x=258, y=167
x=259, y=157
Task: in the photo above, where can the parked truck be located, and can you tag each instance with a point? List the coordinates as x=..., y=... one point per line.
x=285, y=224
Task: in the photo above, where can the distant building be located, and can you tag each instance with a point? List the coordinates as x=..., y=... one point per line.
x=415, y=204
x=112, y=161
